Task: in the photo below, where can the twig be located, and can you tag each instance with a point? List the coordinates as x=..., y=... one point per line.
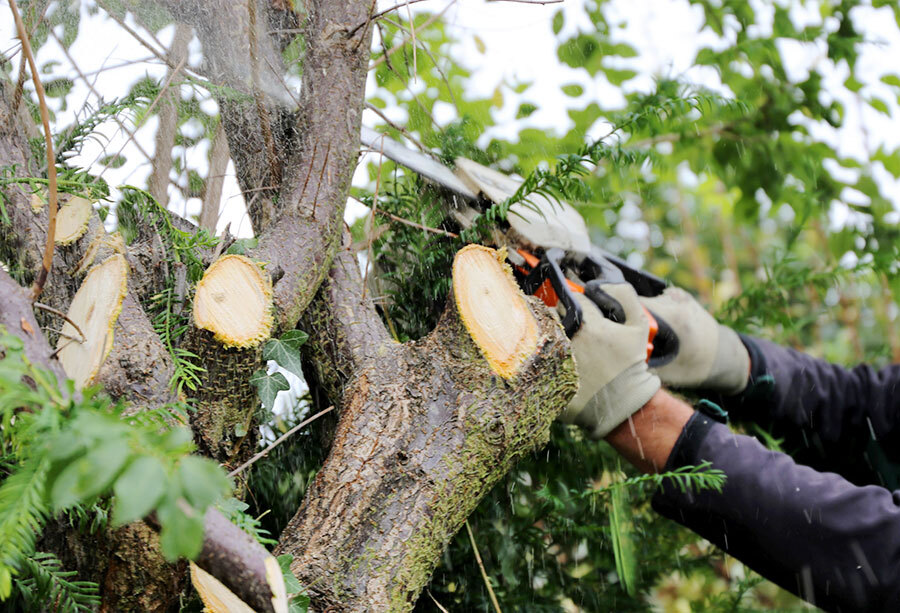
x=399, y=128
x=63, y=334
x=58, y=313
x=372, y=18
x=278, y=441
x=484, y=575
x=395, y=48
x=419, y=226
x=47, y=262
x=371, y=237
x=152, y=106
x=20, y=82
x=439, y=605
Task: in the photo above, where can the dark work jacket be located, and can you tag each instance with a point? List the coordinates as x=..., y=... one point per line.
x=833, y=543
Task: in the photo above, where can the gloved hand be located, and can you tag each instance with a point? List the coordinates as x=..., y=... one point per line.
x=610, y=357
x=710, y=356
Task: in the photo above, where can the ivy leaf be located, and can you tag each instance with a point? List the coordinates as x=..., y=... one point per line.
x=294, y=338
x=138, y=489
x=285, y=354
x=299, y=601
x=268, y=386
x=241, y=246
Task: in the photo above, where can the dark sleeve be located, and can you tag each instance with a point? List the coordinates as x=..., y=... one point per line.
x=815, y=534
x=801, y=391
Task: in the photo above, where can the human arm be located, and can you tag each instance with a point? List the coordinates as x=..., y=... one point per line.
x=784, y=386
x=815, y=534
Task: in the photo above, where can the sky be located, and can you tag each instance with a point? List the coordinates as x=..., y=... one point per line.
x=518, y=46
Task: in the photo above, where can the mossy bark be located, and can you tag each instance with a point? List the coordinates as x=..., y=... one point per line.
x=223, y=423
x=426, y=429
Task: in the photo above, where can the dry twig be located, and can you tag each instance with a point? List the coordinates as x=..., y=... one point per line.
x=47, y=261
x=278, y=441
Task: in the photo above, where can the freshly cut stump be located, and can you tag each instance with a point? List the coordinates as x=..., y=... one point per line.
x=232, y=317
x=490, y=306
x=234, y=302
x=95, y=309
x=72, y=220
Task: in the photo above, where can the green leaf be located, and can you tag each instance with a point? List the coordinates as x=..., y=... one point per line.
x=479, y=44
x=89, y=475
x=138, y=489
x=880, y=105
x=268, y=386
x=558, y=21
x=291, y=583
x=620, y=530
x=294, y=338
x=285, y=354
x=242, y=245
x=202, y=481
x=181, y=536
x=573, y=89
x=891, y=79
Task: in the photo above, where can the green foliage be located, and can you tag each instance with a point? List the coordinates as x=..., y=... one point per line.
x=184, y=268
x=60, y=452
x=736, y=196
x=43, y=581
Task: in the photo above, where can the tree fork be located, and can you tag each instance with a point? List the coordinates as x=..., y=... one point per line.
x=426, y=430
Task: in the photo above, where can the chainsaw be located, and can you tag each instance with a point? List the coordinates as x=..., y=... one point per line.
x=547, y=243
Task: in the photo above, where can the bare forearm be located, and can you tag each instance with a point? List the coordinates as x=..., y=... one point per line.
x=646, y=439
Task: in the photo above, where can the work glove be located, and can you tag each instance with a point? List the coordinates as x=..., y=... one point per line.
x=610, y=358
x=710, y=356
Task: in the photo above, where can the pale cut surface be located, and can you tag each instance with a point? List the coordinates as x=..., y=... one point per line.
x=493, y=309
x=95, y=308
x=217, y=598
x=72, y=220
x=234, y=302
x=542, y=221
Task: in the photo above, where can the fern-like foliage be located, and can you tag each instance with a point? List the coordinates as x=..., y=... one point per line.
x=137, y=212
x=565, y=179
x=64, y=454
x=42, y=584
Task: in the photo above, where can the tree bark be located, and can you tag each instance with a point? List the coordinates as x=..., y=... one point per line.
x=426, y=429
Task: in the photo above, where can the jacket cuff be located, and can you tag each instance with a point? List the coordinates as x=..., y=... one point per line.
x=760, y=386
x=686, y=449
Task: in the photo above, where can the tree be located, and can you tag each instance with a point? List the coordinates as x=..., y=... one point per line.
x=428, y=415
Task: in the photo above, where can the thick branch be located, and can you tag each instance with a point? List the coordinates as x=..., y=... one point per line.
x=18, y=319
x=427, y=428
x=158, y=183
x=346, y=331
x=307, y=232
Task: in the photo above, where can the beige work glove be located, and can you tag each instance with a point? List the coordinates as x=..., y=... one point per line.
x=610, y=357
x=710, y=356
